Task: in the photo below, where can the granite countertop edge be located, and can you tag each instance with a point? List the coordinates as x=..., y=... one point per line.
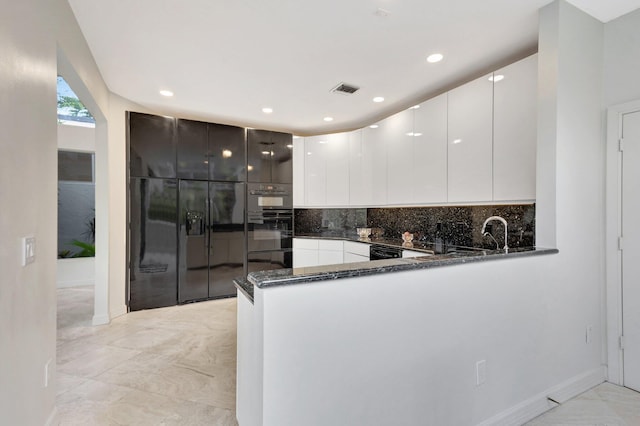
x=245, y=287
x=281, y=277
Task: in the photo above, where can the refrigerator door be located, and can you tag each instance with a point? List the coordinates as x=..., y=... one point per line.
x=152, y=242
x=152, y=149
x=193, y=263
x=227, y=237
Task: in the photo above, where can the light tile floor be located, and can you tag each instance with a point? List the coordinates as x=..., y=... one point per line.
x=604, y=405
x=168, y=366
x=176, y=366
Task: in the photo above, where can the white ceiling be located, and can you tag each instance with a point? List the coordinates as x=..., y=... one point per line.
x=227, y=59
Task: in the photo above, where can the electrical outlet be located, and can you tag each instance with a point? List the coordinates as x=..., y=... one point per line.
x=28, y=250
x=47, y=373
x=481, y=372
x=588, y=334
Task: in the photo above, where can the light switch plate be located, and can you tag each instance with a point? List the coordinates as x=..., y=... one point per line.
x=28, y=250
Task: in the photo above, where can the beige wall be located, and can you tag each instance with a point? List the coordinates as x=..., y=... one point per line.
x=32, y=35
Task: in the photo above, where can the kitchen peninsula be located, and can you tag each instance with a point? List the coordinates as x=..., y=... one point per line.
x=352, y=359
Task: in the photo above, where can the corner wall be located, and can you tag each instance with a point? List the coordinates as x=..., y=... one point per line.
x=32, y=33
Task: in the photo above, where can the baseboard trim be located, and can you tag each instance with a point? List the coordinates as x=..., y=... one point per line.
x=575, y=386
x=53, y=418
x=540, y=403
x=100, y=319
x=119, y=312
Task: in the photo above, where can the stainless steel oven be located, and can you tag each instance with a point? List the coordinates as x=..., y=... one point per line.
x=270, y=226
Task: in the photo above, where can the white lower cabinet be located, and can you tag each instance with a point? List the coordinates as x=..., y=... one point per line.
x=355, y=252
x=330, y=252
x=305, y=252
x=412, y=253
x=309, y=252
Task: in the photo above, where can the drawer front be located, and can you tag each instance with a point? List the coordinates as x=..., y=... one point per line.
x=305, y=243
x=332, y=245
x=361, y=249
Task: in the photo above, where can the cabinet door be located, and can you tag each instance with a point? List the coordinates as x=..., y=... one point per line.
x=192, y=149
x=282, y=158
x=260, y=150
x=315, y=171
x=374, y=155
x=429, y=170
x=470, y=141
x=152, y=148
x=153, y=245
x=359, y=178
x=399, y=137
x=298, y=172
x=337, y=169
x=515, y=131
x=227, y=149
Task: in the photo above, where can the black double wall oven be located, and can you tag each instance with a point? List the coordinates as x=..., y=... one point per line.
x=196, y=220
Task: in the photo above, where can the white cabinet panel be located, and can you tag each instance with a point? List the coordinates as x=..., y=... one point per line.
x=515, y=131
x=412, y=253
x=315, y=173
x=374, y=154
x=361, y=249
x=353, y=258
x=360, y=186
x=398, y=135
x=470, y=158
x=303, y=258
x=329, y=257
x=429, y=179
x=337, y=169
x=298, y=172
x=332, y=245
x=305, y=243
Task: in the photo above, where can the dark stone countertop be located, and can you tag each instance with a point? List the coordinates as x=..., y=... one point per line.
x=278, y=277
x=245, y=287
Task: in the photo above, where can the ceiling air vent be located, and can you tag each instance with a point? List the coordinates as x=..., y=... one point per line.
x=345, y=89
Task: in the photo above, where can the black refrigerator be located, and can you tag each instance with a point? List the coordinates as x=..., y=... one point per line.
x=211, y=239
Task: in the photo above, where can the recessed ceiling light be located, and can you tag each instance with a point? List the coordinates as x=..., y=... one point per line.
x=167, y=93
x=415, y=107
x=378, y=99
x=290, y=146
x=226, y=153
x=496, y=78
x=436, y=57
x=328, y=119
x=267, y=110
x=414, y=134
x=296, y=137
x=373, y=126
x=322, y=141
x=456, y=141
x=266, y=152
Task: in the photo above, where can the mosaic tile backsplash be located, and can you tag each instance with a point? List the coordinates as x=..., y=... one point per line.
x=452, y=225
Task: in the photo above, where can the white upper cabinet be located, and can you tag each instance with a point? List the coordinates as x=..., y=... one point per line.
x=397, y=132
x=326, y=170
x=429, y=171
x=470, y=144
x=360, y=189
x=337, y=169
x=515, y=131
x=374, y=154
x=315, y=173
x=298, y=172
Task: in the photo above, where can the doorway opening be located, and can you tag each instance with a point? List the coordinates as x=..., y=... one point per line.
x=75, y=279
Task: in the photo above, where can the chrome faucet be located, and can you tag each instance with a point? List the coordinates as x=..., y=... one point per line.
x=504, y=222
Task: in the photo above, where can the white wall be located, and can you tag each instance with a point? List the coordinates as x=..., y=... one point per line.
x=31, y=34
x=76, y=138
x=73, y=272
x=622, y=59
